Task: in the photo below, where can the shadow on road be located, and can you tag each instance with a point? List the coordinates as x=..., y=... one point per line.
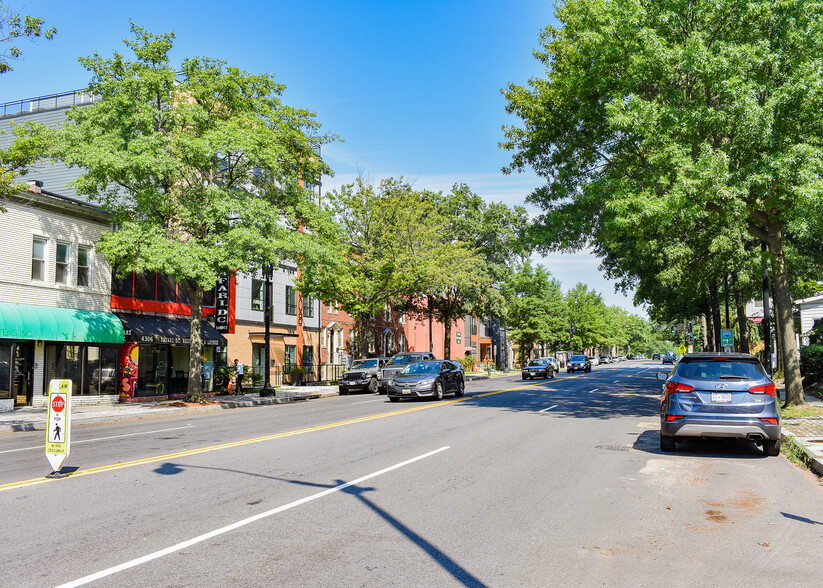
x=459, y=573
x=649, y=442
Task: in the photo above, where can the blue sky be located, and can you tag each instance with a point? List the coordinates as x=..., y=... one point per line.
x=411, y=87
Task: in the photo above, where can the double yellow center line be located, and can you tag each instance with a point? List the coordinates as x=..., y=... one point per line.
x=177, y=455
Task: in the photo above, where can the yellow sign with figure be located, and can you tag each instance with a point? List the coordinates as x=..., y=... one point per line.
x=58, y=425
x=682, y=349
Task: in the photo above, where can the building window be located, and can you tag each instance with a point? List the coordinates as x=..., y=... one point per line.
x=83, y=266
x=308, y=357
x=257, y=291
x=61, y=273
x=387, y=313
x=291, y=301
x=308, y=307
x=401, y=318
x=401, y=343
x=38, y=259
x=290, y=360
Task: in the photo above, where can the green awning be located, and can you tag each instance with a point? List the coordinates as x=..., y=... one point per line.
x=44, y=323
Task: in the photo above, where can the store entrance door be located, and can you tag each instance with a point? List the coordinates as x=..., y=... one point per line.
x=23, y=376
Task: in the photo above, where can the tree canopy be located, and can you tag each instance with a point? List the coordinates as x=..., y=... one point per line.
x=201, y=170
x=692, y=115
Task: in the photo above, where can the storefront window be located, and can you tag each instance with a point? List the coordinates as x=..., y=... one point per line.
x=144, y=286
x=166, y=288
x=258, y=357
x=101, y=370
x=208, y=369
x=180, y=369
x=73, y=364
x=5, y=374
x=151, y=370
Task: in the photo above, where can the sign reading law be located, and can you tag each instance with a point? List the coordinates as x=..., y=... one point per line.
x=58, y=426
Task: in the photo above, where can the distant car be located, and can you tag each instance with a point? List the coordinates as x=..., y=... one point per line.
x=621, y=358
x=669, y=358
x=432, y=379
x=579, y=363
x=656, y=356
x=595, y=360
x=719, y=395
x=555, y=363
x=396, y=365
x=361, y=375
x=540, y=367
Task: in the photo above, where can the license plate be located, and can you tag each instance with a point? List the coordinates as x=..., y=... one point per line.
x=721, y=396
x=405, y=391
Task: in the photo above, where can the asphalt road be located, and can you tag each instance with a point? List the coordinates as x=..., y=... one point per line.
x=556, y=482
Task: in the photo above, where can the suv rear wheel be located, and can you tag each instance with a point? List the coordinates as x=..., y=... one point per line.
x=666, y=443
x=771, y=448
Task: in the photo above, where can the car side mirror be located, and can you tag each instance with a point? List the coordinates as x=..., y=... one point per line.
x=662, y=376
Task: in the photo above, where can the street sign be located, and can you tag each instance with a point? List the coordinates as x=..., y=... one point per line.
x=459, y=337
x=726, y=338
x=681, y=350
x=58, y=425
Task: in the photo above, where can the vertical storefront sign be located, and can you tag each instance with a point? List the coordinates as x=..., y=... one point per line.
x=129, y=357
x=223, y=308
x=58, y=425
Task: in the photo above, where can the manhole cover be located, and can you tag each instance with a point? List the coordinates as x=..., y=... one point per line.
x=614, y=447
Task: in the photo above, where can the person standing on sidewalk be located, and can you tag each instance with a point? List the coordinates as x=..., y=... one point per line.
x=238, y=373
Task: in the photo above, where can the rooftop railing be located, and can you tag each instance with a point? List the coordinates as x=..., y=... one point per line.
x=45, y=103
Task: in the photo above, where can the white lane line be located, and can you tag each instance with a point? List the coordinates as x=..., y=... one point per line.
x=100, y=439
x=545, y=409
x=595, y=390
x=367, y=401
x=174, y=548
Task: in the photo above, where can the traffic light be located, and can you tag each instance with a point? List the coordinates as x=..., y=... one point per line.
x=690, y=326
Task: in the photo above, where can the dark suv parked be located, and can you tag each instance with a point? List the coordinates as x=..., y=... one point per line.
x=719, y=395
x=396, y=365
x=362, y=375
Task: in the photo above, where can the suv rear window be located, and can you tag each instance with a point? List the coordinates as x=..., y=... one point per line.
x=720, y=370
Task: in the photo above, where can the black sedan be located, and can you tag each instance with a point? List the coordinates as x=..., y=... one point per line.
x=669, y=358
x=427, y=379
x=541, y=367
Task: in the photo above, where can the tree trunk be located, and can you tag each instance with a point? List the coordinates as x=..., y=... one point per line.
x=742, y=321
x=717, y=321
x=194, y=391
x=362, y=335
x=785, y=320
x=704, y=332
x=447, y=338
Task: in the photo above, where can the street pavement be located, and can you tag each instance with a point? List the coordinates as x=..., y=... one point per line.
x=806, y=432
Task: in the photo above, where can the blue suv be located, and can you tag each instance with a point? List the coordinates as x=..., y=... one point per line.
x=719, y=395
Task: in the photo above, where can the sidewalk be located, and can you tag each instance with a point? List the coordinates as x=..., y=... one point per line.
x=34, y=419
x=807, y=433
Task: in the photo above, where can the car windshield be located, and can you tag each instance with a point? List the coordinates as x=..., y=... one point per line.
x=537, y=362
x=423, y=367
x=359, y=364
x=579, y=358
x=720, y=370
x=403, y=359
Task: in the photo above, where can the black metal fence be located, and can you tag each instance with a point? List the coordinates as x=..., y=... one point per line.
x=288, y=375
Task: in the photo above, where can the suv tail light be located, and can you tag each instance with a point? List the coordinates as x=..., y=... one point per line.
x=674, y=388
x=764, y=389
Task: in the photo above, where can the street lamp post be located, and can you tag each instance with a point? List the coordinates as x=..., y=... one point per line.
x=267, y=390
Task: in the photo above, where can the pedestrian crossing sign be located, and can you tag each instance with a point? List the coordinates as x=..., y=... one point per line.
x=58, y=425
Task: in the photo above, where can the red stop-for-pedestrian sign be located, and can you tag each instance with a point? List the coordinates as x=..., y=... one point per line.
x=58, y=404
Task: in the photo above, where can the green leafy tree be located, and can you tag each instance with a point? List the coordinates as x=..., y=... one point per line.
x=642, y=101
x=387, y=250
x=26, y=148
x=587, y=312
x=14, y=27
x=200, y=170
x=488, y=236
x=535, y=310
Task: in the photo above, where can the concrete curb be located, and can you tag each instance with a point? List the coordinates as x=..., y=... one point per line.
x=814, y=456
